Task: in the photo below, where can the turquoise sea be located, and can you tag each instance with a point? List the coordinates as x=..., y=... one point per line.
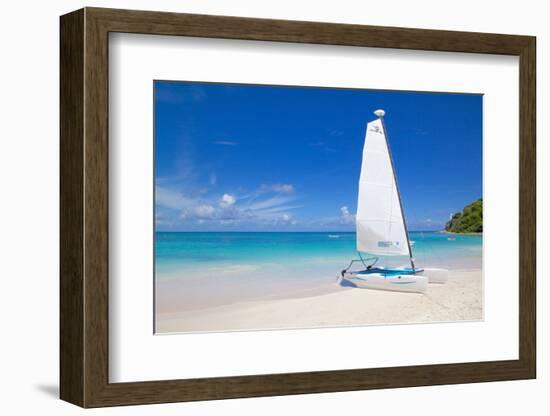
x=175, y=250
x=212, y=268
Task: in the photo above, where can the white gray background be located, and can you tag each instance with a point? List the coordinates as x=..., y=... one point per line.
x=29, y=209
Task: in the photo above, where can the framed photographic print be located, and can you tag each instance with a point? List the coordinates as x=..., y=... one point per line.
x=256, y=207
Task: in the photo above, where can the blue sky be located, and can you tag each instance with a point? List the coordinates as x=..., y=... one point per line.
x=232, y=157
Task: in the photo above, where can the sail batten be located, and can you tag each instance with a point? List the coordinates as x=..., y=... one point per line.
x=380, y=224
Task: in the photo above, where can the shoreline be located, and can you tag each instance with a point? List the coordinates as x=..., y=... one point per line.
x=460, y=299
x=454, y=233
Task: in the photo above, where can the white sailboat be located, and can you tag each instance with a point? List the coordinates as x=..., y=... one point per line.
x=380, y=224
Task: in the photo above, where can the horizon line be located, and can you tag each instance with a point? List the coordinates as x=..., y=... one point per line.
x=277, y=231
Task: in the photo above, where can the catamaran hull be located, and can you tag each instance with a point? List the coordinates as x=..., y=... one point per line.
x=435, y=275
x=379, y=281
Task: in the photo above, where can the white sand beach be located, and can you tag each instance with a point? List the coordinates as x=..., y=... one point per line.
x=460, y=299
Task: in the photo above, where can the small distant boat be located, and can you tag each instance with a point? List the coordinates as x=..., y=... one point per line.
x=333, y=236
x=380, y=225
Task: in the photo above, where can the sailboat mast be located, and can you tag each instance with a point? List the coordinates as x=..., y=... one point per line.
x=380, y=114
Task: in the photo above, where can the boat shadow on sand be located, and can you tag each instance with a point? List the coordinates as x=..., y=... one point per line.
x=347, y=283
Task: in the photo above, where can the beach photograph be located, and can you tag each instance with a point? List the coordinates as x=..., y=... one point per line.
x=290, y=207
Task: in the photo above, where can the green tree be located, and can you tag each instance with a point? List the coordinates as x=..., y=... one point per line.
x=470, y=220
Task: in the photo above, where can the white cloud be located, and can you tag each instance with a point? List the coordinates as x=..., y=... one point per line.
x=288, y=219
x=345, y=216
x=226, y=143
x=227, y=200
x=168, y=198
x=205, y=211
x=160, y=220
x=282, y=188
x=213, y=179
x=271, y=202
x=279, y=208
x=225, y=209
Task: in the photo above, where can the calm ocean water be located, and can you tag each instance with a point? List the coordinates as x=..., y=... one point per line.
x=201, y=250
x=176, y=250
x=205, y=269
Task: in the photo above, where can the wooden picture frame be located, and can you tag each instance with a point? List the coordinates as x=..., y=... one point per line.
x=84, y=207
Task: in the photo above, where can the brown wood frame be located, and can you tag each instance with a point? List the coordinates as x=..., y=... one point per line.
x=84, y=207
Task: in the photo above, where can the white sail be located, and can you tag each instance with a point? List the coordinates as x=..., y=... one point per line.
x=379, y=221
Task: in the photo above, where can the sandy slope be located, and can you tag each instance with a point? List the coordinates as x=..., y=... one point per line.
x=458, y=299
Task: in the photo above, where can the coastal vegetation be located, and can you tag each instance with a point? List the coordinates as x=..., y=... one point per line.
x=470, y=220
